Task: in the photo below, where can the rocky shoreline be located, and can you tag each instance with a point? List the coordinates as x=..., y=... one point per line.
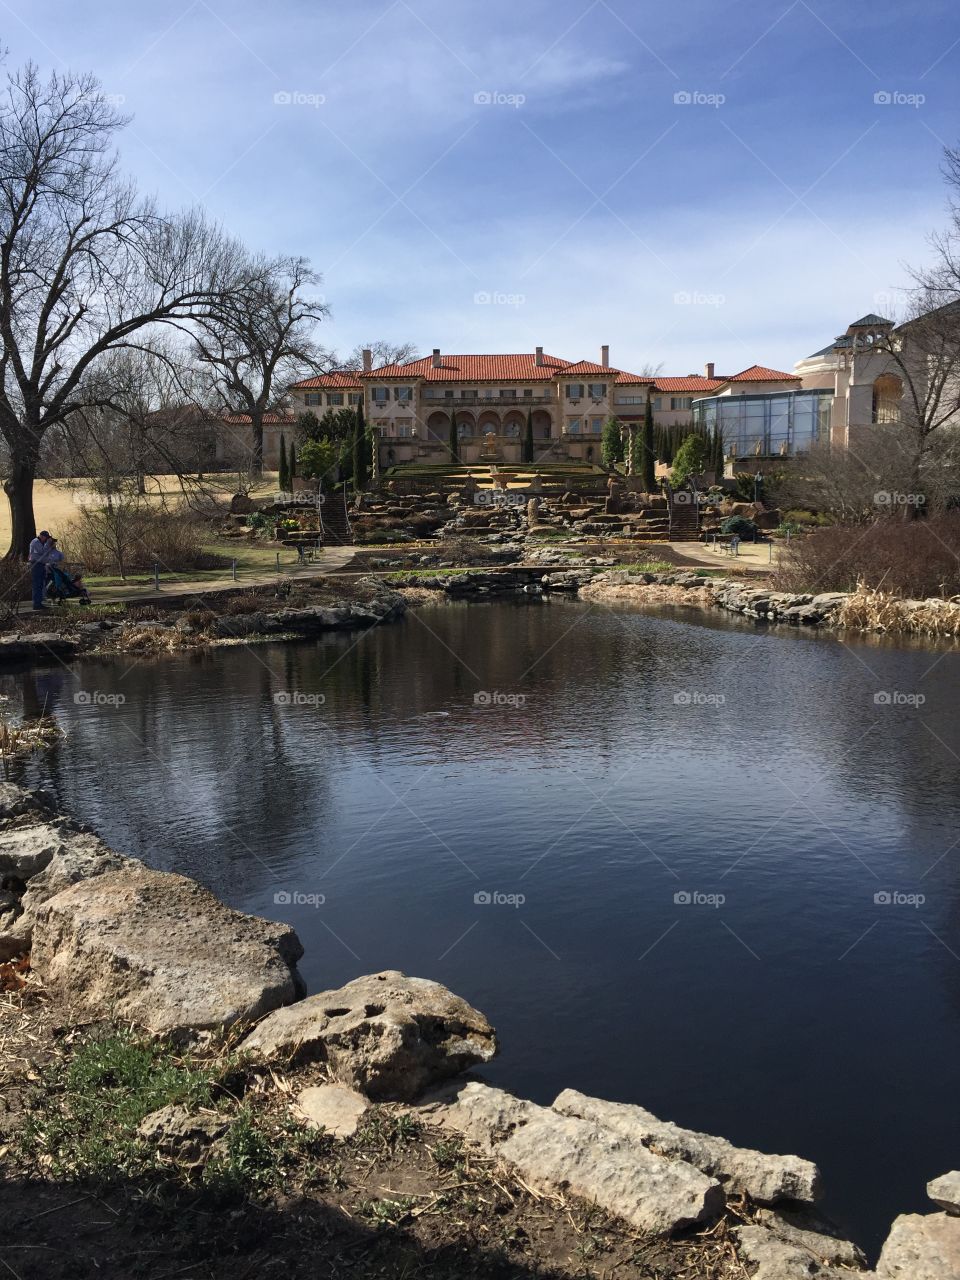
x=112, y=940
x=253, y=616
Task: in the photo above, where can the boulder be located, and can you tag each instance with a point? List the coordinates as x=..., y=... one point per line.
x=921, y=1247
x=765, y=1178
x=179, y=1135
x=386, y=1034
x=562, y=1154
x=803, y=1226
x=333, y=1108
x=777, y=1259
x=557, y=1153
x=945, y=1191
x=161, y=951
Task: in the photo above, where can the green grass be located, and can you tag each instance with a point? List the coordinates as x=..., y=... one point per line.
x=104, y=1091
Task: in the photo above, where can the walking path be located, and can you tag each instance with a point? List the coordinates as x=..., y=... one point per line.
x=327, y=561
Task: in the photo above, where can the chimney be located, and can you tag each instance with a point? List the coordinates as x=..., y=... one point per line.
x=709, y=369
x=605, y=356
x=538, y=358
x=436, y=361
x=367, y=359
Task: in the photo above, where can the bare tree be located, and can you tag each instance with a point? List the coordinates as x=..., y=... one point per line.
x=381, y=353
x=86, y=264
x=253, y=351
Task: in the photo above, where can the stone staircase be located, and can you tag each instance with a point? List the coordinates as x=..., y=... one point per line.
x=335, y=523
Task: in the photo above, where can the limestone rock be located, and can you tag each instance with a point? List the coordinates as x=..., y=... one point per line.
x=921, y=1247
x=804, y=1227
x=386, y=1034
x=332, y=1108
x=182, y=1136
x=562, y=1153
x=945, y=1191
x=765, y=1178
x=485, y=1115
x=776, y=1259
x=161, y=951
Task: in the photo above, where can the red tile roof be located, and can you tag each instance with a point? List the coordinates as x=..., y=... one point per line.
x=695, y=382
x=624, y=379
x=759, y=373
x=510, y=368
x=342, y=379
x=589, y=366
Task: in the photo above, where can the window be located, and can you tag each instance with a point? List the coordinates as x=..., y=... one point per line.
x=596, y=424
x=335, y=397
x=380, y=395
x=432, y=393
x=313, y=397
x=508, y=395
x=574, y=390
x=631, y=399
x=528, y=393
x=681, y=402
x=657, y=403
x=598, y=390
x=405, y=430
x=403, y=393
x=448, y=395
x=573, y=426
x=355, y=397
x=468, y=395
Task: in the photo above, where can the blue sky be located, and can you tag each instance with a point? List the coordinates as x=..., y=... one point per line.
x=687, y=182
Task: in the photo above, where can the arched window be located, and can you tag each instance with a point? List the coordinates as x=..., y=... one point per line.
x=887, y=394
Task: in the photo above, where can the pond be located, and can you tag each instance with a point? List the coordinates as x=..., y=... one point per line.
x=676, y=860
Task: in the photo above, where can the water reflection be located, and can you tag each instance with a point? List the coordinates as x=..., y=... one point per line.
x=653, y=755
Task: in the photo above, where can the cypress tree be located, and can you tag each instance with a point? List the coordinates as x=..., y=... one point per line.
x=284, y=476
x=454, y=442
x=528, y=438
x=649, y=462
x=292, y=463
x=360, y=449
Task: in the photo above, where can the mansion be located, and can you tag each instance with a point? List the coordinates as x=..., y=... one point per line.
x=491, y=397
x=762, y=412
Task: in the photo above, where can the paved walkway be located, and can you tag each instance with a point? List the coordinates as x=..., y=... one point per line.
x=754, y=557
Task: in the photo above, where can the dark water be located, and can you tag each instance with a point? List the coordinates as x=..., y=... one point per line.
x=797, y=1014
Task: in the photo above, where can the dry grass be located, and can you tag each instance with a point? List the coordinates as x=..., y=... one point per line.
x=870, y=610
x=22, y=739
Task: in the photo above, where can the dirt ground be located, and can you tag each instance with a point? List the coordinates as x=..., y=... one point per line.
x=396, y=1200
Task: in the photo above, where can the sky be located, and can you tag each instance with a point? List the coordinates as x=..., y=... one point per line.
x=687, y=182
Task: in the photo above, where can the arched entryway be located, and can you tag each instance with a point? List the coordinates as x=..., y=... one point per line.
x=514, y=423
x=489, y=421
x=438, y=426
x=542, y=426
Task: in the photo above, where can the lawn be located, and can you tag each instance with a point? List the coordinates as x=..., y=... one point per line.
x=57, y=502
